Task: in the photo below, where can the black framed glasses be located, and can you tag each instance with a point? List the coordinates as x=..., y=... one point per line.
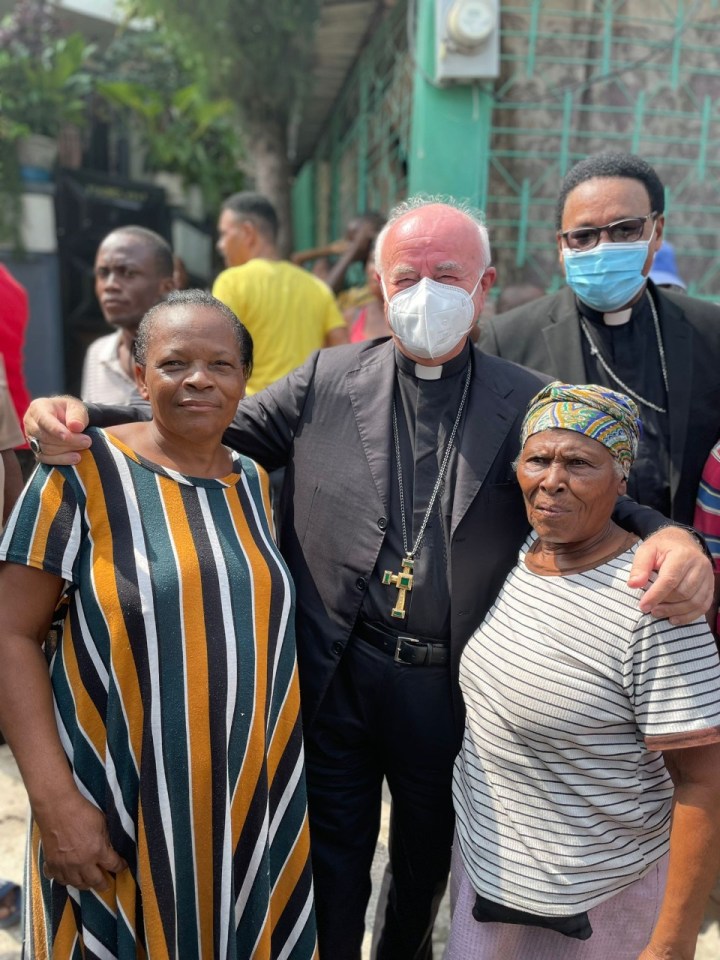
x=619, y=231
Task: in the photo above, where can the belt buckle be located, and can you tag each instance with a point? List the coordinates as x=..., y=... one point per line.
x=398, y=642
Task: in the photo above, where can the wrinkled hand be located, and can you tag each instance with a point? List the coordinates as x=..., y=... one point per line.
x=58, y=424
x=76, y=846
x=683, y=590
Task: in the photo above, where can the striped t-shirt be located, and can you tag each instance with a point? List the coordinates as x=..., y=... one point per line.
x=707, y=507
x=561, y=795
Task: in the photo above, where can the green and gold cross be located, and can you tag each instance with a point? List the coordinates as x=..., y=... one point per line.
x=404, y=583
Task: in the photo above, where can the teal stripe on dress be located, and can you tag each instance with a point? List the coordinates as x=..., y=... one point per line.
x=163, y=567
x=284, y=840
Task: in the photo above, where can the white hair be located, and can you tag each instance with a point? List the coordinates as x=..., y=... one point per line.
x=417, y=203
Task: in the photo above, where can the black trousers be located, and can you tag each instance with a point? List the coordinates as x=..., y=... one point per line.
x=380, y=719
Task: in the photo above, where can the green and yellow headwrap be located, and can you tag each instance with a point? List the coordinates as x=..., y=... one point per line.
x=608, y=417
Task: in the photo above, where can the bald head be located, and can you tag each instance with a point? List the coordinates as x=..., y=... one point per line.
x=437, y=241
x=434, y=241
x=437, y=219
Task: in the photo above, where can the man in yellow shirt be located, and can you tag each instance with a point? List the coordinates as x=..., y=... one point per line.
x=288, y=312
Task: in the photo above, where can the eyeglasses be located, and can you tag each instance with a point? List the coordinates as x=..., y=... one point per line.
x=619, y=231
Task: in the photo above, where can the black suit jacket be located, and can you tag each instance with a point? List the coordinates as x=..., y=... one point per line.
x=545, y=335
x=329, y=423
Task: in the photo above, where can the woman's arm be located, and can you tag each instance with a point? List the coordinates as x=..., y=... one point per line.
x=694, y=852
x=74, y=833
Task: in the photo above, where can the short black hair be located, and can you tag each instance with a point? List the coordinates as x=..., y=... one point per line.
x=255, y=207
x=625, y=165
x=194, y=298
x=159, y=246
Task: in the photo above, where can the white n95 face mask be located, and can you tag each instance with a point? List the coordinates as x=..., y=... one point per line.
x=430, y=318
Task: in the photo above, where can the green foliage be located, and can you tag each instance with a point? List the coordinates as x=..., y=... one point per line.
x=257, y=51
x=44, y=84
x=44, y=79
x=149, y=81
x=10, y=188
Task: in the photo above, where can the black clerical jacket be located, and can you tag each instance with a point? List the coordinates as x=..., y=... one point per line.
x=330, y=423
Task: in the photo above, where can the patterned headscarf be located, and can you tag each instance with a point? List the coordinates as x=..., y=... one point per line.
x=608, y=417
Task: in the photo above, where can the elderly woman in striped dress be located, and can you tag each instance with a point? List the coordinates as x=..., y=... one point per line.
x=588, y=724
x=162, y=750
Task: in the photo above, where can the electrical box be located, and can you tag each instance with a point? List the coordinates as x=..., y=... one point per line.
x=467, y=38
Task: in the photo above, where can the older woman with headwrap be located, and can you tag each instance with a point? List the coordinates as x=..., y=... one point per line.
x=588, y=723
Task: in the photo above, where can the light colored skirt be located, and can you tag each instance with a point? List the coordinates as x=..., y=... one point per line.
x=622, y=925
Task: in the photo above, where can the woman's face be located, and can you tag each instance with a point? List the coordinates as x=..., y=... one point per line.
x=570, y=484
x=194, y=376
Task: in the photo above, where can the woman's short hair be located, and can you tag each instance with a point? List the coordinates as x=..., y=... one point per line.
x=193, y=298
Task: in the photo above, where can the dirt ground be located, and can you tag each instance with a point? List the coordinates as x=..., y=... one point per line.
x=13, y=818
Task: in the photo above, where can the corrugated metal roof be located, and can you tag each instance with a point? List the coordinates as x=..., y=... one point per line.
x=343, y=30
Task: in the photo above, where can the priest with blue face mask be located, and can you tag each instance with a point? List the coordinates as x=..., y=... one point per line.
x=612, y=326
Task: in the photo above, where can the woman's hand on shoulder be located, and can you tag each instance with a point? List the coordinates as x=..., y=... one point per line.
x=76, y=846
x=683, y=590
x=54, y=428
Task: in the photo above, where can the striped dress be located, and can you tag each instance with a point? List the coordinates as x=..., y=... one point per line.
x=176, y=692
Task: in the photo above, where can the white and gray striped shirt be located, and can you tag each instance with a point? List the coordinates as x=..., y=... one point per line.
x=561, y=795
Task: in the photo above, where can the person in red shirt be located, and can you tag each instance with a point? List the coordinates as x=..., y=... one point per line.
x=13, y=323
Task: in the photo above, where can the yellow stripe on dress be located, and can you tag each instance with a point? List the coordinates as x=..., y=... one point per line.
x=155, y=942
x=255, y=752
x=39, y=931
x=50, y=503
x=263, y=947
x=86, y=711
x=104, y=574
x=197, y=693
x=285, y=726
x=67, y=933
x=291, y=873
x=126, y=897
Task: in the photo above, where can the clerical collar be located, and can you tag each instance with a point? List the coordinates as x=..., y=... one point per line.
x=616, y=319
x=440, y=372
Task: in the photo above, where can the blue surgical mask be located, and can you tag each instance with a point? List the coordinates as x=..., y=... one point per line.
x=609, y=276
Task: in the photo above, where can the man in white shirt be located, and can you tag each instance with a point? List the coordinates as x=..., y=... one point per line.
x=133, y=272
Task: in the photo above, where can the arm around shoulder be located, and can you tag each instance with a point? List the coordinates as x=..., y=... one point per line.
x=265, y=424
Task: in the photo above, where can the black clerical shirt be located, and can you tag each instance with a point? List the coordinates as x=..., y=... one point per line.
x=426, y=412
x=631, y=351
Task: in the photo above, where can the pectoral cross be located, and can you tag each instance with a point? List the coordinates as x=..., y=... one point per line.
x=404, y=583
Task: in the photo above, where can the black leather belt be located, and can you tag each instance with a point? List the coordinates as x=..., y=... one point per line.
x=414, y=651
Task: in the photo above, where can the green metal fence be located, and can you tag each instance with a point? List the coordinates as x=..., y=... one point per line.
x=578, y=77
x=361, y=161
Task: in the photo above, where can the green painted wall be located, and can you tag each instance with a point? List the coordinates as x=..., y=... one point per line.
x=450, y=133
x=303, y=207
